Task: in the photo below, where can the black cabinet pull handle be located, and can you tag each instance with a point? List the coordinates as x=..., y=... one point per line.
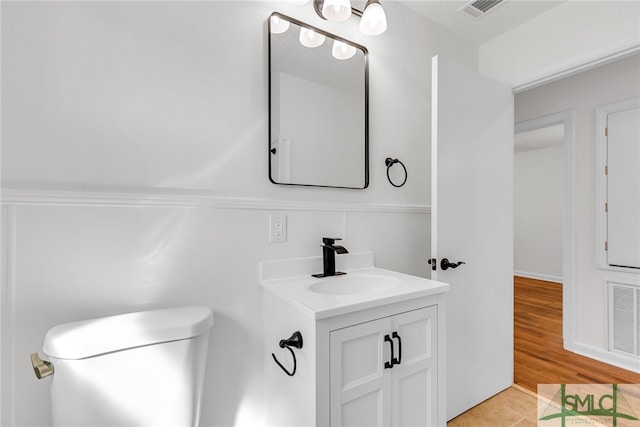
x=399, y=359
x=389, y=365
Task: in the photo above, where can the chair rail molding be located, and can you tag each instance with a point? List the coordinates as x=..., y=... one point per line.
x=177, y=199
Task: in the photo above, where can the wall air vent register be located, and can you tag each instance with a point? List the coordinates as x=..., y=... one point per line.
x=624, y=319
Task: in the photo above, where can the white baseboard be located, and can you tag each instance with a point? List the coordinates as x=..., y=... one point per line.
x=538, y=276
x=621, y=361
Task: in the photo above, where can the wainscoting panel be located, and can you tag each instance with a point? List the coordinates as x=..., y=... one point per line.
x=77, y=256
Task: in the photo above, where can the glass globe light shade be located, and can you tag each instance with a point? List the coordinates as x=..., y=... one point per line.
x=374, y=20
x=336, y=10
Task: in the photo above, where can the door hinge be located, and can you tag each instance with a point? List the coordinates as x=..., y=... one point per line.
x=606, y=170
x=606, y=246
x=606, y=131
x=606, y=207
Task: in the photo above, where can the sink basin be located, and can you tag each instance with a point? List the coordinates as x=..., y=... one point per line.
x=363, y=287
x=351, y=285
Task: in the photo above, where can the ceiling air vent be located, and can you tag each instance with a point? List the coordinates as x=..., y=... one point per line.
x=479, y=8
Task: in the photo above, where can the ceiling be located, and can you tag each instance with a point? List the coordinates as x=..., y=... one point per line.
x=507, y=15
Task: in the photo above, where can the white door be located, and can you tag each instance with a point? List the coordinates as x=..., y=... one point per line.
x=472, y=221
x=623, y=188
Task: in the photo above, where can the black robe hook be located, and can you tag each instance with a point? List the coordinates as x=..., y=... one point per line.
x=294, y=340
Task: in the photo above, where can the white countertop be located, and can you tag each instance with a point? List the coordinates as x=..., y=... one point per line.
x=291, y=279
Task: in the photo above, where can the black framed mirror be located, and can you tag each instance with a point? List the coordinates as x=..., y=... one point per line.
x=318, y=107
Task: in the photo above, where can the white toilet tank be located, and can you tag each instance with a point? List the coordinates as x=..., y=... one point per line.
x=137, y=369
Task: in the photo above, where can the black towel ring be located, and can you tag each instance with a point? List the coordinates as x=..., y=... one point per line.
x=295, y=341
x=390, y=162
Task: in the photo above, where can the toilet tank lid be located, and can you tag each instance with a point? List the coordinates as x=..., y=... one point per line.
x=88, y=338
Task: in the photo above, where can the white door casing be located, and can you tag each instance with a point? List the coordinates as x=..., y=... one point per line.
x=472, y=221
x=567, y=120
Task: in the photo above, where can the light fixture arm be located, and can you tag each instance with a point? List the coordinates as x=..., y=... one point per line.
x=317, y=5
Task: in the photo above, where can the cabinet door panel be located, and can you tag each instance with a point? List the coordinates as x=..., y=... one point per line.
x=414, y=385
x=413, y=405
x=360, y=359
x=358, y=384
x=363, y=411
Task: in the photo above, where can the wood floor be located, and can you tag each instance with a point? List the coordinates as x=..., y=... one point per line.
x=539, y=357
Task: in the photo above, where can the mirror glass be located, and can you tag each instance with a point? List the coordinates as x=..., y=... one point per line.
x=318, y=112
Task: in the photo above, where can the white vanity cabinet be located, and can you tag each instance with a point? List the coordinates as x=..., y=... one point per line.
x=345, y=372
x=341, y=379
x=383, y=372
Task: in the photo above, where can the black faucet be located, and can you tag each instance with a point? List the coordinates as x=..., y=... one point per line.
x=329, y=251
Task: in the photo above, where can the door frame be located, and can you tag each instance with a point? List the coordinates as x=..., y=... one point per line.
x=566, y=118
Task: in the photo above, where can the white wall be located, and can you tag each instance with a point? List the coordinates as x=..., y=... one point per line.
x=582, y=93
x=562, y=40
x=134, y=175
x=538, y=211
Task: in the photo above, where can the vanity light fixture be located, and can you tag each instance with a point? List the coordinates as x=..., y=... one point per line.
x=310, y=38
x=342, y=50
x=373, y=19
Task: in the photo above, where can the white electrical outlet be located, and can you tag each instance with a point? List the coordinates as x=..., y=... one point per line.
x=277, y=227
